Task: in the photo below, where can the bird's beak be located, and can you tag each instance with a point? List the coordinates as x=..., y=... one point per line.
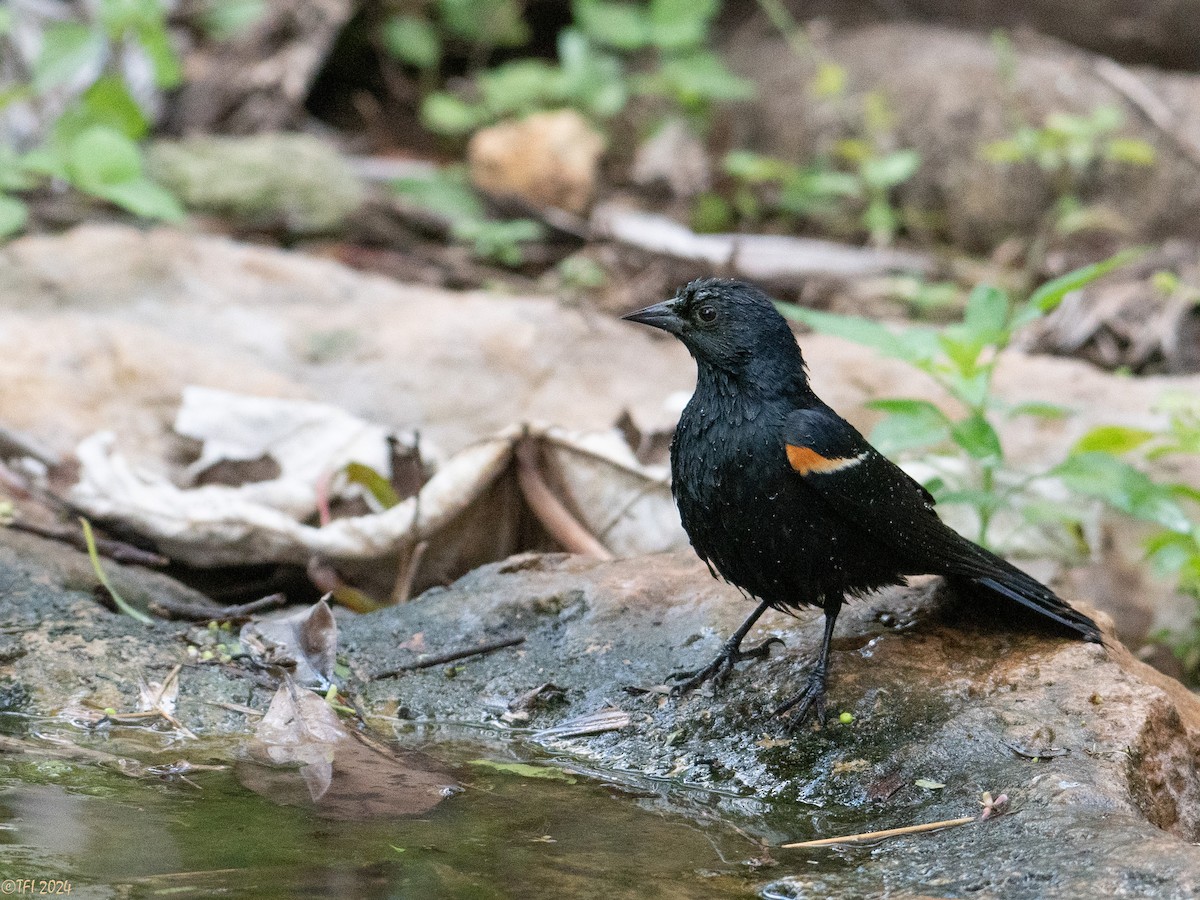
x=660, y=315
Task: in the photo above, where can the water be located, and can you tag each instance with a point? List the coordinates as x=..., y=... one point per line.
x=507, y=834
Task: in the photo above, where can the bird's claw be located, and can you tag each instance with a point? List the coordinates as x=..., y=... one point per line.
x=809, y=701
x=719, y=669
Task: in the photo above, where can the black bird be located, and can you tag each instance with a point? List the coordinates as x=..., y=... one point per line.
x=787, y=501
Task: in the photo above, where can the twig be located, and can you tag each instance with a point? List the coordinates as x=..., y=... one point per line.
x=116, y=550
x=550, y=511
x=1149, y=104
x=880, y=835
x=452, y=656
x=246, y=609
x=407, y=576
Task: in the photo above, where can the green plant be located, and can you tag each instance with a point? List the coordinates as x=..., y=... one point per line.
x=612, y=51
x=1070, y=149
x=961, y=359
x=850, y=188
x=93, y=144
x=1098, y=467
x=585, y=79
x=449, y=197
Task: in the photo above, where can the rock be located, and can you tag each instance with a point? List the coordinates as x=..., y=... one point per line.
x=944, y=696
x=940, y=692
x=675, y=156
x=102, y=327
x=1155, y=33
x=950, y=101
x=291, y=181
x=547, y=159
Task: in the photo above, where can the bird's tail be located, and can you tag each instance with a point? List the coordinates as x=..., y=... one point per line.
x=1010, y=582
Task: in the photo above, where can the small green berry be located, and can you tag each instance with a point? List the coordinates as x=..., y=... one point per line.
x=845, y=718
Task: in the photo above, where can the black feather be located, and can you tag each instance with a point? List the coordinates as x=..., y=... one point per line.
x=784, y=498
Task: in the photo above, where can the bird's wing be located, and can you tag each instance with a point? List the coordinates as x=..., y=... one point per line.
x=829, y=453
x=864, y=487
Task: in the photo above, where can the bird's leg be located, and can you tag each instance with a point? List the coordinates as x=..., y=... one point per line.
x=731, y=654
x=812, y=698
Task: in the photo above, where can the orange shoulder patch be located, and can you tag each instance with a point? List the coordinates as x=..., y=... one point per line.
x=809, y=462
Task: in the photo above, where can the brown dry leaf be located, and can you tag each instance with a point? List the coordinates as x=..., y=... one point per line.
x=338, y=776
x=300, y=728
x=306, y=641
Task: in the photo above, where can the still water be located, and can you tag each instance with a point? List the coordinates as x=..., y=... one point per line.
x=515, y=829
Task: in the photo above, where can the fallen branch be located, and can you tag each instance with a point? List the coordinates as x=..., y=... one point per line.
x=757, y=256
x=866, y=836
x=115, y=550
x=549, y=510
x=453, y=656
x=188, y=612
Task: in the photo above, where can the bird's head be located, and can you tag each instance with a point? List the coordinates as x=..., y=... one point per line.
x=728, y=325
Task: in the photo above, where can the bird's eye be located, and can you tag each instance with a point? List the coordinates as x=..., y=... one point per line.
x=706, y=314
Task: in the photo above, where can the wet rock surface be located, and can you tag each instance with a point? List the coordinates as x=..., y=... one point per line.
x=1095, y=751
x=102, y=328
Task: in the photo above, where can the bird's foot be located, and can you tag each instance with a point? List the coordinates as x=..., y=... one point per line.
x=718, y=670
x=810, y=701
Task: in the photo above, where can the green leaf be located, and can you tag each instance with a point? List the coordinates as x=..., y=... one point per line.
x=910, y=424
x=624, y=26
x=14, y=173
x=486, y=23
x=498, y=241
x=695, y=79
x=226, y=19
x=987, y=313
x=168, y=71
x=881, y=221
x=102, y=577
x=412, y=40
x=142, y=197
x=816, y=190
x=829, y=82
x=523, y=86
x=867, y=332
x=681, y=24
x=1050, y=294
x=889, y=171
x=962, y=348
x=756, y=168
x=1115, y=439
x=380, y=488
x=68, y=50
x=524, y=770
x=1008, y=151
x=446, y=194
x=46, y=161
x=13, y=215
x=593, y=81
x=1039, y=410
x=1170, y=551
x=1122, y=487
x=107, y=102
x=446, y=114
x=103, y=156
x=1131, y=151
x=977, y=436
